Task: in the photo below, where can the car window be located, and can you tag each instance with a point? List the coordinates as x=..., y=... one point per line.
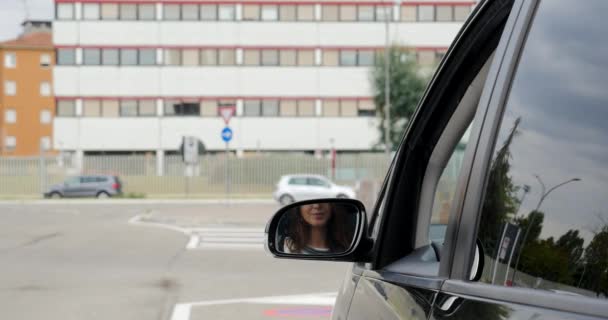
x=544, y=224
x=317, y=182
x=87, y=179
x=101, y=179
x=73, y=180
x=445, y=191
x=297, y=181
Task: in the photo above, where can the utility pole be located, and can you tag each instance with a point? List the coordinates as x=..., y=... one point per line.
x=387, y=83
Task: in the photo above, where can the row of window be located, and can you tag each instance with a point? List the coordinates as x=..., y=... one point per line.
x=227, y=57
x=10, y=88
x=107, y=11
x=10, y=143
x=10, y=60
x=210, y=108
x=111, y=57
x=10, y=116
x=265, y=12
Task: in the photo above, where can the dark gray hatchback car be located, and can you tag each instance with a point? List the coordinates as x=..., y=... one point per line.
x=100, y=186
x=526, y=233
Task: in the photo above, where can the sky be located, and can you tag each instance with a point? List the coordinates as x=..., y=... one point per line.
x=12, y=14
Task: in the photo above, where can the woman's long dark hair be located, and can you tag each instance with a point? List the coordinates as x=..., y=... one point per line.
x=339, y=231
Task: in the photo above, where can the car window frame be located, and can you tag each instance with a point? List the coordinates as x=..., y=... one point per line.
x=390, y=201
x=472, y=205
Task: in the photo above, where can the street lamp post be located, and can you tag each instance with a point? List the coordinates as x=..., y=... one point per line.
x=388, y=17
x=387, y=85
x=532, y=218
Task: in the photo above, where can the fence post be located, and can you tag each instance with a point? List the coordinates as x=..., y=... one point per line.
x=42, y=169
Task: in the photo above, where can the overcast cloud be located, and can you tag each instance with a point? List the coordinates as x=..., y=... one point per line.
x=13, y=12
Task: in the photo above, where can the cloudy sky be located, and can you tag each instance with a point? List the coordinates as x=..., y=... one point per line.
x=13, y=12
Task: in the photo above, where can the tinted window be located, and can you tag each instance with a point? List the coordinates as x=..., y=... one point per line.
x=109, y=57
x=317, y=182
x=92, y=56
x=73, y=181
x=128, y=57
x=66, y=56
x=544, y=223
x=297, y=181
x=178, y=108
x=147, y=56
x=446, y=190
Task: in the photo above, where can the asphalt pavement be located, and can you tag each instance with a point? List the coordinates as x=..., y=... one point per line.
x=141, y=260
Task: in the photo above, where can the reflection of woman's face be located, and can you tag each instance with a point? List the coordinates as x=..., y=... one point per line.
x=317, y=214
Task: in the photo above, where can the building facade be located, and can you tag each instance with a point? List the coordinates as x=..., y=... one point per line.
x=27, y=105
x=138, y=75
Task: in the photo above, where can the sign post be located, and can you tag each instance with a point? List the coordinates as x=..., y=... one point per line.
x=190, y=154
x=227, y=111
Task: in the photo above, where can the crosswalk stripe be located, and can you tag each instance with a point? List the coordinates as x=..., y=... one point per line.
x=230, y=246
x=226, y=238
x=237, y=240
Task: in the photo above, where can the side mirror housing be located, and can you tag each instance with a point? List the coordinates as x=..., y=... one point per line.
x=320, y=229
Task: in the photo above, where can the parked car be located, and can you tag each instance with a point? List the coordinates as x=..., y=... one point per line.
x=100, y=186
x=298, y=187
x=523, y=237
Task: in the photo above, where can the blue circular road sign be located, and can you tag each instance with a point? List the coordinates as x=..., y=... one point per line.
x=227, y=134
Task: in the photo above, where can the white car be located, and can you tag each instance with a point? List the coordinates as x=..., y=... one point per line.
x=299, y=187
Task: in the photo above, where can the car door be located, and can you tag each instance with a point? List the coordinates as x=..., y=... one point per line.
x=88, y=186
x=416, y=220
x=537, y=190
x=297, y=187
x=319, y=188
x=71, y=187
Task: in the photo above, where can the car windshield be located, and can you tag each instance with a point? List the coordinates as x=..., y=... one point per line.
x=144, y=145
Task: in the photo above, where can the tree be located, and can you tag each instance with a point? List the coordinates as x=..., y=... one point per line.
x=534, y=221
x=596, y=257
x=501, y=196
x=572, y=244
x=406, y=89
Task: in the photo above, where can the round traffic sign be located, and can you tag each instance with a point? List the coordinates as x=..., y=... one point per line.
x=227, y=134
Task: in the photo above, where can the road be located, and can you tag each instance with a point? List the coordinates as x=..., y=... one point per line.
x=153, y=261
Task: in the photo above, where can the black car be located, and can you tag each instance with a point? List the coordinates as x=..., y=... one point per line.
x=527, y=224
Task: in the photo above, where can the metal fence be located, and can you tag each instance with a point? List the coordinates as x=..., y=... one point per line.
x=250, y=176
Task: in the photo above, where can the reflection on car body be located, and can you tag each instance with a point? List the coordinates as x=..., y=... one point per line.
x=513, y=232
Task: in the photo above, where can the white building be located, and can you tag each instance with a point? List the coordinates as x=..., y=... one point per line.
x=141, y=74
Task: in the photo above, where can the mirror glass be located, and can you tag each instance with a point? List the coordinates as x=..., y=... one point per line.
x=319, y=228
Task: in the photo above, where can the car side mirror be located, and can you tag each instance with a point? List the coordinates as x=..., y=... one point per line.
x=320, y=229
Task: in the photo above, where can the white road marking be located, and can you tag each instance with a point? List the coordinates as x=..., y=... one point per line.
x=137, y=221
x=229, y=238
x=217, y=237
x=182, y=311
x=193, y=242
